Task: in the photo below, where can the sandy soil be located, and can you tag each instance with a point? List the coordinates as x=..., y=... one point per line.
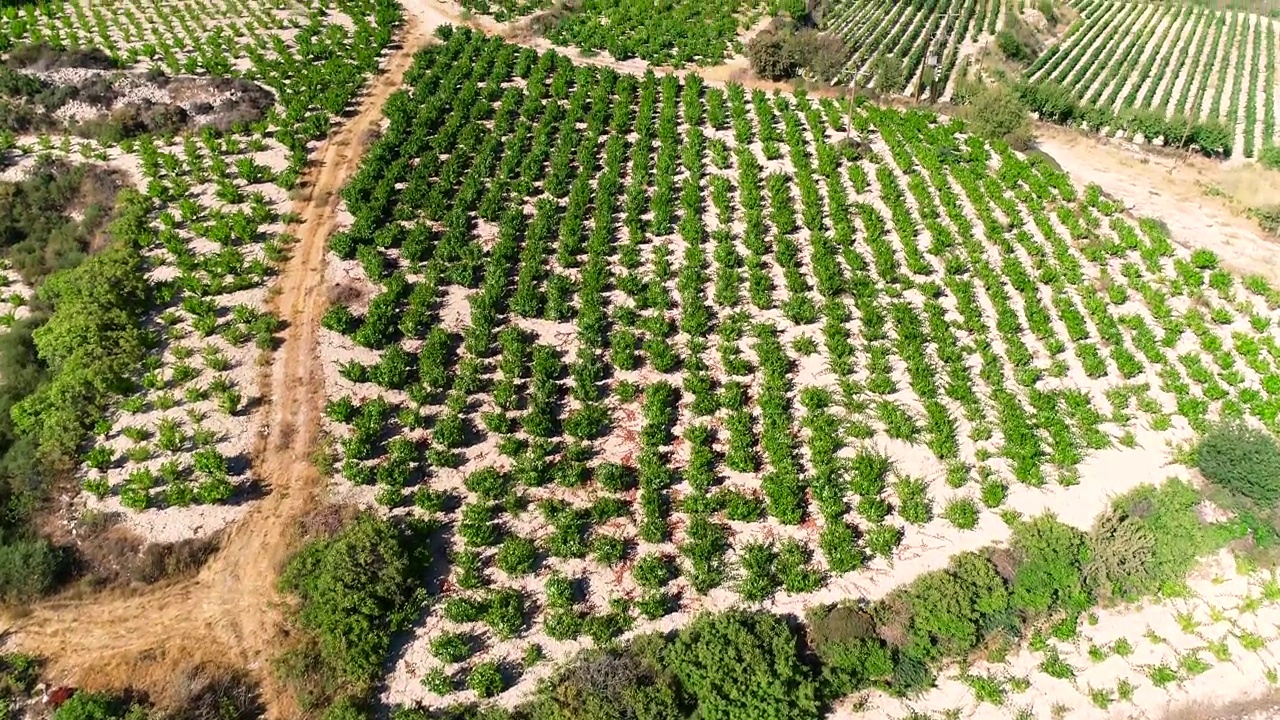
x=229, y=613
x=1172, y=189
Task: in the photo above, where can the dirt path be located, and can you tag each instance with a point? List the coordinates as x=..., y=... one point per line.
x=230, y=612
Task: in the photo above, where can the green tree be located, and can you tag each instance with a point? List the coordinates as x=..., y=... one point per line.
x=772, y=54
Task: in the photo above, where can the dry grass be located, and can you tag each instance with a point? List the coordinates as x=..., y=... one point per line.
x=1249, y=185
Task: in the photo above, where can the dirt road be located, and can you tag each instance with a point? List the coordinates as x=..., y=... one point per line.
x=230, y=613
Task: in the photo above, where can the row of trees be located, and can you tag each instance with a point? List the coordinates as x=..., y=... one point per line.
x=1055, y=103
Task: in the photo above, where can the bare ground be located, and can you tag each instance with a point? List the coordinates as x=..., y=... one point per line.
x=230, y=613
x=1202, y=201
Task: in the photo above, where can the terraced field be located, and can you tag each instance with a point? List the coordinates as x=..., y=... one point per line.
x=688, y=346
x=924, y=34
x=1173, y=60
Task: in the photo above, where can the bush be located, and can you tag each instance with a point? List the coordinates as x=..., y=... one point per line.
x=1270, y=157
x=355, y=590
x=823, y=54
x=610, y=685
x=1012, y=47
x=844, y=639
x=941, y=620
x=743, y=666
x=836, y=624
x=772, y=54
x=850, y=666
x=1053, y=101
x=1242, y=460
x=1049, y=575
x=996, y=113
x=888, y=73
x=29, y=568
x=97, y=706
x=1146, y=542
x=486, y=679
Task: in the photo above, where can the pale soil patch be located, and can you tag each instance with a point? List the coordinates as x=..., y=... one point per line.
x=1173, y=191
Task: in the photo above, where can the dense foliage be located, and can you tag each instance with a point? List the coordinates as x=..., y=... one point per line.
x=1242, y=460
x=741, y=664
x=38, y=232
x=354, y=591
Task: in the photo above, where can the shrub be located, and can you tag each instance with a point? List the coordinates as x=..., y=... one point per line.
x=740, y=665
x=1012, y=47
x=486, y=679
x=940, y=621
x=95, y=706
x=1146, y=542
x=824, y=54
x=1049, y=574
x=517, y=555
x=19, y=674
x=611, y=685
x=835, y=624
x=355, y=590
x=1242, y=460
x=28, y=569
x=1270, y=157
x=996, y=113
x=888, y=72
x=772, y=54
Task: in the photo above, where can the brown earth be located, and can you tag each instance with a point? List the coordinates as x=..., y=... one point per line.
x=1202, y=201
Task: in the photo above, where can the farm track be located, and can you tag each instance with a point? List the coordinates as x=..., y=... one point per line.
x=230, y=613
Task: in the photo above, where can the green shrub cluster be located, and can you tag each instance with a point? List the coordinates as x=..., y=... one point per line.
x=742, y=665
x=1055, y=103
x=354, y=590
x=1243, y=460
x=82, y=343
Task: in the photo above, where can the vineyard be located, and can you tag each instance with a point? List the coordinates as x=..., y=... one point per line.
x=1128, y=61
x=198, y=240
x=639, y=346
x=930, y=38
x=632, y=394
x=662, y=32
